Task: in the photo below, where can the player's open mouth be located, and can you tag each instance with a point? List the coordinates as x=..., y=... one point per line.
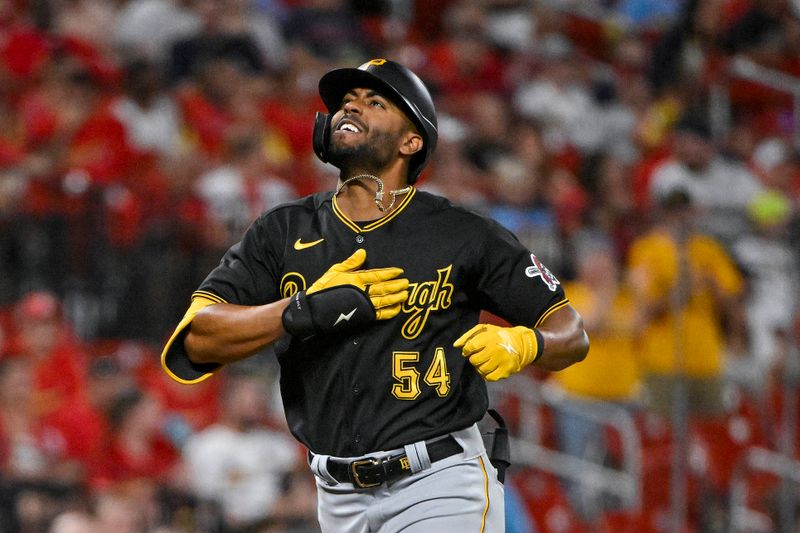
x=348, y=126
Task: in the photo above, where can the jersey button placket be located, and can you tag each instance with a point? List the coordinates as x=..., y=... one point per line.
x=359, y=238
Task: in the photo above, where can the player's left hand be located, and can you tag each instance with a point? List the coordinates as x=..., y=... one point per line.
x=498, y=352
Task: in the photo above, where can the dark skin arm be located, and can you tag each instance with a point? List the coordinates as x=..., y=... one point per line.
x=224, y=333
x=565, y=340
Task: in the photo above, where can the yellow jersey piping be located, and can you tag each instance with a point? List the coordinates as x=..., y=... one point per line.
x=210, y=296
x=550, y=311
x=200, y=299
x=372, y=225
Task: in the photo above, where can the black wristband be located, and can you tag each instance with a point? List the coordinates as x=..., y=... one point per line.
x=333, y=310
x=539, y=344
x=296, y=318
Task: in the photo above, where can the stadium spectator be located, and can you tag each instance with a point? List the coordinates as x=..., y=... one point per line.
x=290, y=115
x=463, y=63
x=452, y=174
x=609, y=184
x=44, y=337
x=139, y=449
x=35, y=472
x=223, y=35
x=688, y=52
x=187, y=409
x=559, y=96
x=74, y=149
x=206, y=104
x=769, y=263
x=83, y=423
x=521, y=205
x=240, y=189
x=689, y=293
x=31, y=450
x=148, y=112
x=328, y=29
x=611, y=373
x=148, y=28
x=697, y=167
x=247, y=461
x=489, y=118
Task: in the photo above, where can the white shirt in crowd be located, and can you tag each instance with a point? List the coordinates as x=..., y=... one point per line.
x=243, y=471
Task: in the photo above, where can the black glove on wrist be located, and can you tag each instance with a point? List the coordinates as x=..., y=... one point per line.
x=336, y=309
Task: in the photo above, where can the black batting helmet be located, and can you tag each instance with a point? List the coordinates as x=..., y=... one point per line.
x=395, y=82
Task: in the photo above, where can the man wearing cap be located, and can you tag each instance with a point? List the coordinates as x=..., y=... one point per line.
x=371, y=294
x=721, y=188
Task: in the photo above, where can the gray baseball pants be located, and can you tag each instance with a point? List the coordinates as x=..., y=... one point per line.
x=460, y=493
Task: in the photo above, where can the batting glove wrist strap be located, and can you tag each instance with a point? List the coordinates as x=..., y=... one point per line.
x=539, y=344
x=334, y=310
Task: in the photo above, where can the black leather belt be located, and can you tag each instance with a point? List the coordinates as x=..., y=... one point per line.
x=372, y=472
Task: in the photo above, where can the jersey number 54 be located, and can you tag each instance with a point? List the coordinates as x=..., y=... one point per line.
x=405, y=372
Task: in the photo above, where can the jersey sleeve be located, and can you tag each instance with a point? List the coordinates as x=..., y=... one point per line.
x=248, y=272
x=512, y=282
x=244, y=276
x=174, y=359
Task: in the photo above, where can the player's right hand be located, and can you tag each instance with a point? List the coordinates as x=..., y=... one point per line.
x=385, y=289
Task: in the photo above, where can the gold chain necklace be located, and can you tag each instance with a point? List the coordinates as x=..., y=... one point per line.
x=379, y=194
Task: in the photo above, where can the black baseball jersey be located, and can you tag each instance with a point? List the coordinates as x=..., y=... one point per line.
x=395, y=381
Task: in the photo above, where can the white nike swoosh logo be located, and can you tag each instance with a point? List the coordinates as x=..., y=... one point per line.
x=345, y=317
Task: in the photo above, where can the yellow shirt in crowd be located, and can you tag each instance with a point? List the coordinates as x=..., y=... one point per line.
x=701, y=338
x=611, y=369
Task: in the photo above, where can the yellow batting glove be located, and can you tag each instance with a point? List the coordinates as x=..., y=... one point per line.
x=498, y=352
x=385, y=289
x=387, y=297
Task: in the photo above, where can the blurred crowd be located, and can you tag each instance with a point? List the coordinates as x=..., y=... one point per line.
x=139, y=138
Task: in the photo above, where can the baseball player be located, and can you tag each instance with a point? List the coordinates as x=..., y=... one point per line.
x=371, y=295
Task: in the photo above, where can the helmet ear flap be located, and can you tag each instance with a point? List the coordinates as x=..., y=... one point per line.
x=322, y=134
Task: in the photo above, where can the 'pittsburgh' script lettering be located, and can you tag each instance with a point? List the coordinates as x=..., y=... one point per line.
x=425, y=297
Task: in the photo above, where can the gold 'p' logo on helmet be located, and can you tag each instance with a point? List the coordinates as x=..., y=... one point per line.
x=377, y=62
